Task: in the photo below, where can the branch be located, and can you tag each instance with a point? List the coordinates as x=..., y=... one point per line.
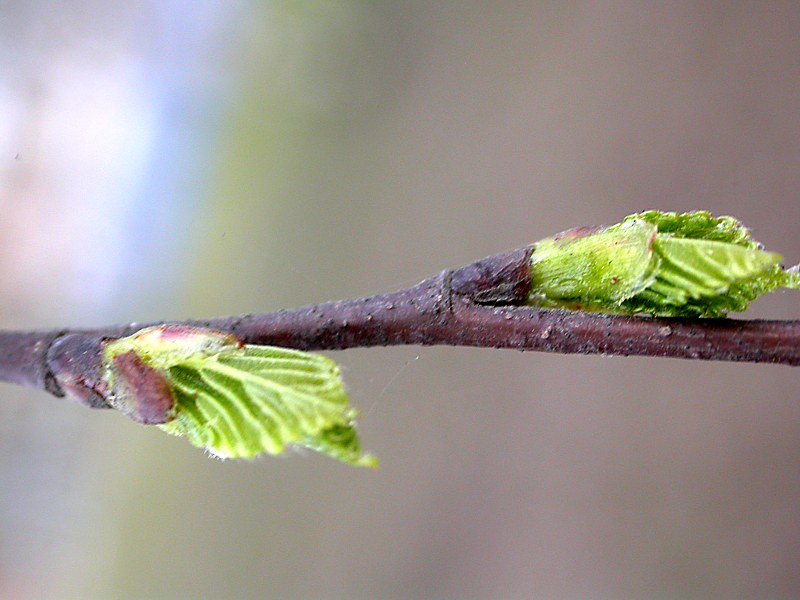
x=481, y=305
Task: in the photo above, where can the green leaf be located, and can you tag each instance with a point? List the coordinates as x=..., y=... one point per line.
x=660, y=263
x=240, y=401
x=697, y=225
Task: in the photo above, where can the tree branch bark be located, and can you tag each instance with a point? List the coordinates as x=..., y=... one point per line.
x=481, y=304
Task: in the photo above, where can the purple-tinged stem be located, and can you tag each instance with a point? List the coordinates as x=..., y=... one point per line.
x=482, y=305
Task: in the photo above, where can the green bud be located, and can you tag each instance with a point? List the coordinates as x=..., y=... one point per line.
x=594, y=266
x=658, y=263
x=233, y=399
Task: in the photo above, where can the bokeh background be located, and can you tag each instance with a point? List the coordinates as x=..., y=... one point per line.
x=179, y=158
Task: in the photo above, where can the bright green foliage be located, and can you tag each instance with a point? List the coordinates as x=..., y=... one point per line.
x=659, y=263
x=594, y=266
x=239, y=401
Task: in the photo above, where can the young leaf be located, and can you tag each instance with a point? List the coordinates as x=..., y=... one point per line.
x=236, y=400
x=594, y=266
x=660, y=263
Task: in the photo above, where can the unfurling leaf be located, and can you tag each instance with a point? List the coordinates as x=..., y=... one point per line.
x=659, y=263
x=235, y=400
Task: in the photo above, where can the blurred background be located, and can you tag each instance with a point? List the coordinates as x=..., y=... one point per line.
x=174, y=159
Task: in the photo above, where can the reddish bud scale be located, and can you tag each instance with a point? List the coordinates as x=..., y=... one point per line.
x=140, y=391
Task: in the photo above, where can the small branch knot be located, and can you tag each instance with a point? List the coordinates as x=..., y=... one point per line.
x=75, y=361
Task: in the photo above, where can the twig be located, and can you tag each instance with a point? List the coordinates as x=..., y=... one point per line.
x=481, y=304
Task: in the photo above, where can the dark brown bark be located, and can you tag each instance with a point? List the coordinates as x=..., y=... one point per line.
x=482, y=304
